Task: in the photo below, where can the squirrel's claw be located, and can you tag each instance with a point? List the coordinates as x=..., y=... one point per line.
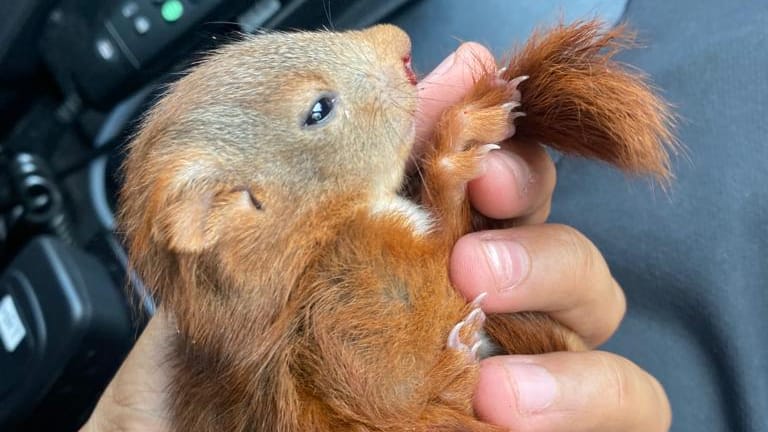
x=466, y=335
x=513, y=83
x=487, y=148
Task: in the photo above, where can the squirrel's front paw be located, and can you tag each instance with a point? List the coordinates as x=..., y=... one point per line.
x=487, y=115
x=466, y=133
x=474, y=127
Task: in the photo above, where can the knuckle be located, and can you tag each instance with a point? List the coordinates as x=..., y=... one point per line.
x=542, y=214
x=546, y=169
x=586, y=261
x=615, y=370
x=614, y=307
x=593, y=290
x=614, y=311
x=621, y=303
x=664, y=414
x=636, y=394
x=577, y=249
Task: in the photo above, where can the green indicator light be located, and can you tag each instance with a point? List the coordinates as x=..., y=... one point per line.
x=172, y=10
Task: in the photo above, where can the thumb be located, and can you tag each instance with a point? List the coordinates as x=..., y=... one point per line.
x=570, y=391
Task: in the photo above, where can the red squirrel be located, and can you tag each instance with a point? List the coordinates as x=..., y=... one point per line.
x=263, y=204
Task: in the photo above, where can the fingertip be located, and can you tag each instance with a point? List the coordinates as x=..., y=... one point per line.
x=495, y=396
x=467, y=268
x=518, y=183
x=501, y=192
x=476, y=56
x=515, y=391
x=461, y=68
x=494, y=263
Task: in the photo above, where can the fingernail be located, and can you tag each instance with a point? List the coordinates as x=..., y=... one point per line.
x=516, y=165
x=444, y=66
x=536, y=387
x=508, y=262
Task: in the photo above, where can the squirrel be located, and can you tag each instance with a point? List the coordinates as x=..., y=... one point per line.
x=263, y=204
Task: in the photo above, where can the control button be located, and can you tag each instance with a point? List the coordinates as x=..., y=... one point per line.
x=141, y=24
x=12, y=330
x=106, y=49
x=172, y=10
x=128, y=10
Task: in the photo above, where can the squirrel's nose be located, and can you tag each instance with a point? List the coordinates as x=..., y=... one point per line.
x=390, y=40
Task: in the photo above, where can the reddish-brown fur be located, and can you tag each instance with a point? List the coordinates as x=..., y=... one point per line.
x=297, y=307
x=581, y=102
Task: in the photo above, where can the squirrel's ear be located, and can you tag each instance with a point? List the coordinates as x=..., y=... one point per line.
x=182, y=207
x=184, y=223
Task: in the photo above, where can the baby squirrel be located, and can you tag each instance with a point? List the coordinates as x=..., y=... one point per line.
x=263, y=204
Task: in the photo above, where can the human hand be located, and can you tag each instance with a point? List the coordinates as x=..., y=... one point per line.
x=136, y=400
x=541, y=267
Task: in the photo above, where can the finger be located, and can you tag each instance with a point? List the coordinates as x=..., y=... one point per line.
x=137, y=394
x=518, y=183
x=570, y=391
x=448, y=84
x=549, y=268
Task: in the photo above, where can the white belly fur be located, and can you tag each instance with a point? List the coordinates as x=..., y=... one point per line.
x=414, y=215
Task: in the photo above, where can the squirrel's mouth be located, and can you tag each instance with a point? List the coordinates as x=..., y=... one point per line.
x=409, y=70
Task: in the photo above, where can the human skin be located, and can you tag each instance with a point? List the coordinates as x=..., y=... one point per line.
x=532, y=267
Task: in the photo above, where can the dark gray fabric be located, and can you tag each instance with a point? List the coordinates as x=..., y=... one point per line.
x=693, y=260
x=438, y=26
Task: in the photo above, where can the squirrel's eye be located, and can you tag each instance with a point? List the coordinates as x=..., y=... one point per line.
x=320, y=110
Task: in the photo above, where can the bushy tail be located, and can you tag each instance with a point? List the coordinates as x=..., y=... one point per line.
x=580, y=101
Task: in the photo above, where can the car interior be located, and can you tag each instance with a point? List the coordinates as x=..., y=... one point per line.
x=76, y=77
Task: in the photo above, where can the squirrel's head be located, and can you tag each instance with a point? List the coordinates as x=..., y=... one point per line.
x=271, y=122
